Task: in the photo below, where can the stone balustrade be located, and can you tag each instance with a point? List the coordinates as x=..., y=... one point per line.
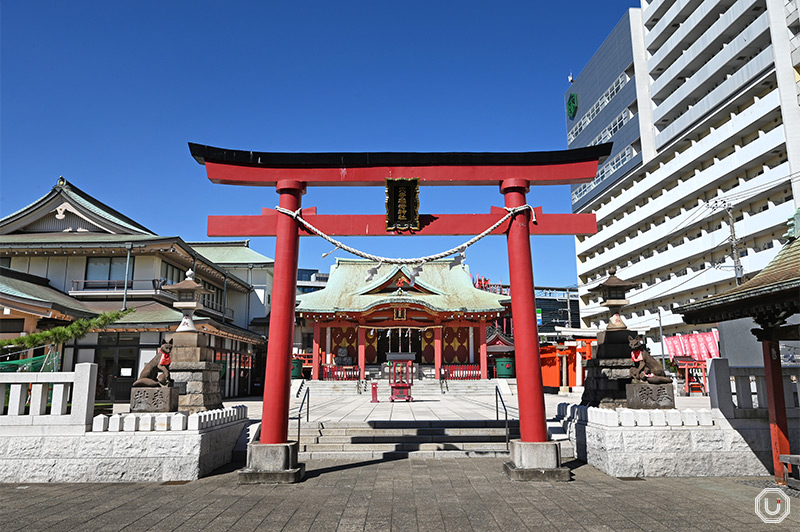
x=142, y=422
x=627, y=417
x=71, y=402
x=741, y=393
x=48, y=435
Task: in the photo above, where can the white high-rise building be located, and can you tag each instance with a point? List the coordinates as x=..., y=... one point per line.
x=700, y=98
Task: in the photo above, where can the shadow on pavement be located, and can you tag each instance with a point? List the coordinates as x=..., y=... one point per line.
x=313, y=473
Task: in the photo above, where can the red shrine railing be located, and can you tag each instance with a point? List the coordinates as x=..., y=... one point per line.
x=340, y=373
x=463, y=372
x=307, y=358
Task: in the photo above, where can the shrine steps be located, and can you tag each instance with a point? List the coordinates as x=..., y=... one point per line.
x=404, y=439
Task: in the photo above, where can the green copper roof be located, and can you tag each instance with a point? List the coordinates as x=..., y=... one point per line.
x=72, y=239
x=37, y=291
x=450, y=287
x=154, y=313
x=147, y=312
x=237, y=252
x=74, y=195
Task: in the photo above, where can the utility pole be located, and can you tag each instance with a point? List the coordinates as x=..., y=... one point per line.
x=737, y=265
x=569, y=310
x=661, y=337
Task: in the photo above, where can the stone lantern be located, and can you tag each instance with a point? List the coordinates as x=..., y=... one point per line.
x=193, y=368
x=188, y=292
x=613, y=291
x=608, y=372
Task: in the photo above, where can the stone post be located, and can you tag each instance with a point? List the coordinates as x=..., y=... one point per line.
x=193, y=364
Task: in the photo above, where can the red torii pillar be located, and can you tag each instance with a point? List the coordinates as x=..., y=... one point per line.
x=291, y=173
x=523, y=307
x=275, y=409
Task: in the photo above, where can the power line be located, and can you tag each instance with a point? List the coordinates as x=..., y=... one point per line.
x=731, y=197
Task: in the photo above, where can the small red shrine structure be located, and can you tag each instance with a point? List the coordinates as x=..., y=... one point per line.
x=292, y=173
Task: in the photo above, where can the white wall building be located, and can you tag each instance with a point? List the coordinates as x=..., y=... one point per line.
x=700, y=98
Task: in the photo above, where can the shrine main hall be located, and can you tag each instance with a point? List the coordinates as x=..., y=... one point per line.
x=366, y=311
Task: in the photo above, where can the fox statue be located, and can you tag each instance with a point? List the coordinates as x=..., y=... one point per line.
x=156, y=372
x=647, y=368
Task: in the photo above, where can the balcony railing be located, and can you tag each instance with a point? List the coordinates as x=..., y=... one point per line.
x=117, y=285
x=137, y=287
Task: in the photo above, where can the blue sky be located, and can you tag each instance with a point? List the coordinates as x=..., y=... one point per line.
x=108, y=94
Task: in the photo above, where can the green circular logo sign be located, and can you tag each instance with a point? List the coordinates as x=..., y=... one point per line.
x=572, y=105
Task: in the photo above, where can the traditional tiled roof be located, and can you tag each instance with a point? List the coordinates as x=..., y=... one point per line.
x=230, y=253
x=443, y=287
x=27, y=288
x=775, y=288
x=94, y=209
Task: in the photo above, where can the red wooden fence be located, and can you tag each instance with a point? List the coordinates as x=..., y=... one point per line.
x=340, y=373
x=462, y=372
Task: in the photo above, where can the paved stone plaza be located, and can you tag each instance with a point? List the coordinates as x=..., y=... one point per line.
x=450, y=494
x=407, y=495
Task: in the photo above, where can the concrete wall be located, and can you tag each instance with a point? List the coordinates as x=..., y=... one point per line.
x=670, y=443
x=114, y=452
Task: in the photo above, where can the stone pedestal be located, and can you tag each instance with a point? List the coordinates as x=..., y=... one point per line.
x=272, y=463
x=201, y=382
x=536, y=461
x=608, y=372
x=606, y=379
x=649, y=396
x=160, y=399
x=195, y=373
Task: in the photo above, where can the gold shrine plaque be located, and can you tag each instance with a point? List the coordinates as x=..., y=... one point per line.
x=402, y=204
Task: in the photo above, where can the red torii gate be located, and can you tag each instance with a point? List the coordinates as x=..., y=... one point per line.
x=291, y=173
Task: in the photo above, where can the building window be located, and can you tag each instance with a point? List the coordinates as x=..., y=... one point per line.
x=107, y=272
x=5, y=262
x=12, y=326
x=214, y=299
x=117, y=358
x=171, y=274
x=604, y=172
x=597, y=107
x=612, y=128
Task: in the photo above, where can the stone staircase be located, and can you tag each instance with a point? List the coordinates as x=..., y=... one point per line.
x=356, y=441
x=420, y=388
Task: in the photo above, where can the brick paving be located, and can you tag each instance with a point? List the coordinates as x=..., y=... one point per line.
x=412, y=495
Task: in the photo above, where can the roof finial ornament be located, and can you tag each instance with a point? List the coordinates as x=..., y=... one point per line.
x=61, y=181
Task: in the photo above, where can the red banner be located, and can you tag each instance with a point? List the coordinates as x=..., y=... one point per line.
x=711, y=344
x=674, y=347
x=699, y=346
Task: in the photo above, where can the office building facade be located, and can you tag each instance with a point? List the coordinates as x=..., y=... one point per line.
x=700, y=98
